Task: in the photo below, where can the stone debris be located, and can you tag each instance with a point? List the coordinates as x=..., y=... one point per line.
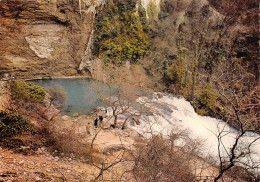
x=41, y=167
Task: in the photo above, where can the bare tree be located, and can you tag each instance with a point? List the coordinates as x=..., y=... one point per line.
x=162, y=159
x=57, y=95
x=108, y=161
x=235, y=155
x=120, y=105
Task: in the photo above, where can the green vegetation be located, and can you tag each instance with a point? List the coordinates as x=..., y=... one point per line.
x=175, y=73
x=205, y=102
x=12, y=124
x=207, y=98
x=26, y=91
x=185, y=54
x=121, y=32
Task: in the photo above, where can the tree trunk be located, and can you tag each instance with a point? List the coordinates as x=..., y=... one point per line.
x=115, y=120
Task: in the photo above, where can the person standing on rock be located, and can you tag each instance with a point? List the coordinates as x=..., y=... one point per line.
x=100, y=120
x=96, y=122
x=88, y=129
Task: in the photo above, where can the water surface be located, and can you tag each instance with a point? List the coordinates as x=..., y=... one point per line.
x=81, y=94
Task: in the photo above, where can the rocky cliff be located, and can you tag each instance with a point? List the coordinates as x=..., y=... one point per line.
x=44, y=38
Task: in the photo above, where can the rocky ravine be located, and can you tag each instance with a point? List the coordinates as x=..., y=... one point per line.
x=41, y=38
x=44, y=38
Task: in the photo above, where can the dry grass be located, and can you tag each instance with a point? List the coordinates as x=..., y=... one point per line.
x=62, y=140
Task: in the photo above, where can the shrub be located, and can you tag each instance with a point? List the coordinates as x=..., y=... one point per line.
x=63, y=140
x=160, y=160
x=12, y=124
x=206, y=103
x=175, y=73
x=26, y=91
x=207, y=98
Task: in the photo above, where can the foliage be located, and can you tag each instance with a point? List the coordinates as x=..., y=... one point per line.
x=192, y=52
x=206, y=98
x=12, y=124
x=26, y=91
x=121, y=32
x=175, y=73
x=213, y=56
x=143, y=16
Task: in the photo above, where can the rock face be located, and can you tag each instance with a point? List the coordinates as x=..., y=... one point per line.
x=145, y=3
x=44, y=38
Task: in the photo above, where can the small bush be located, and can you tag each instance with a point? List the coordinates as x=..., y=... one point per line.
x=63, y=141
x=160, y=160
x=26, y=91
x=175, y=73
x=12, y=124
x=207, y=98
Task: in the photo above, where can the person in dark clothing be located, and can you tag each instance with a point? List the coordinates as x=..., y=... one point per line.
x=96, y=122
x=100, y=119
x=112, y=126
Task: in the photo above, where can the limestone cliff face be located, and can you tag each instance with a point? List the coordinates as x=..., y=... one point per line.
x=43, y=38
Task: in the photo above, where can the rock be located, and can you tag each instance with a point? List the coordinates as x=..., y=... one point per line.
x=145, y=3
x=51, y=112
x=76, y=114
x=21, y=162
x=39, y=151
x=82, y=130
x=38, y=178
x=56, y=158
x=159, y=95
x=40, y=37
x=65, y=117
x=75, y=120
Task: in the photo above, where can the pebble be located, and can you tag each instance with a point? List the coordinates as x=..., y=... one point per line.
x=76, y=114
x=65, y=117
x=56, y=158
x=21, y=162
x=38, y=178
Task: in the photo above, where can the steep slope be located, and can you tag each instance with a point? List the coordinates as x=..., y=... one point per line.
x=243, y=27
